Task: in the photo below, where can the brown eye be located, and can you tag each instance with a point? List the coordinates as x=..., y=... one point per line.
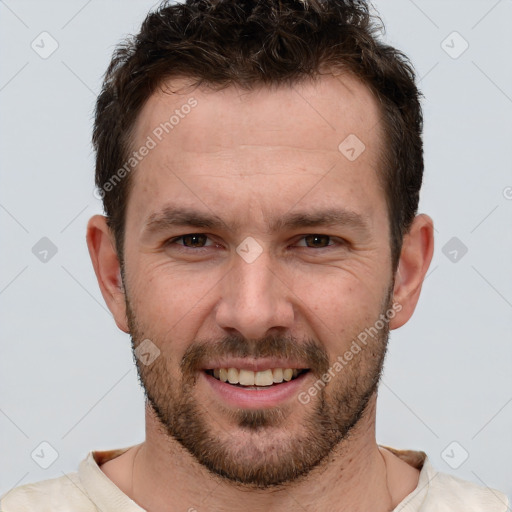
x=192, y=240
x=317, y=241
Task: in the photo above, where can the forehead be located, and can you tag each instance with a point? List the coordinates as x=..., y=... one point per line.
x=331, y=105
x=226, y=147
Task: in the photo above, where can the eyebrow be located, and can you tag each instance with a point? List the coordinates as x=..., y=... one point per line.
x=172, y=216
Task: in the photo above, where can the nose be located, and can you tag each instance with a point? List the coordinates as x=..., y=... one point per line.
x=255, y=299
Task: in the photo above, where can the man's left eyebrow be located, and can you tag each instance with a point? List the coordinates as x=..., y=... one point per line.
x=318, y=218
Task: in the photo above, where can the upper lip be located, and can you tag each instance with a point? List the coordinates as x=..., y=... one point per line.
x=255, y=365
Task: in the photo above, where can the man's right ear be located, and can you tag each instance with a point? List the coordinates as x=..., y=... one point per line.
x=101, y=244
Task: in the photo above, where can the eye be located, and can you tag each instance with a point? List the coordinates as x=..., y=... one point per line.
x=191, y=240
x=316, y=241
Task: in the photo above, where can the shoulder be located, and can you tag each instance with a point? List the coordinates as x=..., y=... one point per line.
x=441, y=492
x=448, y=493
x=62, y=494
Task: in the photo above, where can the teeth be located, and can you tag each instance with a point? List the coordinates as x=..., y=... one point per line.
x=278, y=375
x=250, y=378
x=233, y=376
x=287, y=374
x=264, y=378
x=246, y=378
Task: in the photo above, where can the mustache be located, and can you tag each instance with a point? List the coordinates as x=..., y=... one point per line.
x=308, y=352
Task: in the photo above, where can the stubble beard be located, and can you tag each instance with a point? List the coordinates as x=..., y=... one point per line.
x=261, y=448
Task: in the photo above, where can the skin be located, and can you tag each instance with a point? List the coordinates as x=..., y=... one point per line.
x=250, y=157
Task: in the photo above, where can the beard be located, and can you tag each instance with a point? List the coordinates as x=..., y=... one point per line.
x=260, y=448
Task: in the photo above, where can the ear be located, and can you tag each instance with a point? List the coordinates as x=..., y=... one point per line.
x=101, y=244
x=415, y=258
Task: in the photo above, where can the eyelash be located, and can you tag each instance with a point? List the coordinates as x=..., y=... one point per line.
x=172, y=241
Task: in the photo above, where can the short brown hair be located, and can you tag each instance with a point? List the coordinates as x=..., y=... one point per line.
x=248, y=43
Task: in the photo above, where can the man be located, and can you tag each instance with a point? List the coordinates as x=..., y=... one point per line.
x=260, y=166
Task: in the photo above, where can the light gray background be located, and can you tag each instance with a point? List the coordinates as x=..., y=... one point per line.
x=66, y=372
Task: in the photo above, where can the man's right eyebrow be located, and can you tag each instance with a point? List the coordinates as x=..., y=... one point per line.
x=171, y=216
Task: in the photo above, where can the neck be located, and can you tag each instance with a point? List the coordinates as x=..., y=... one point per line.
x=354, y=478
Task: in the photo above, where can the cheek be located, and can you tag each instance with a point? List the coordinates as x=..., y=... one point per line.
x=169, y=300
x=339, y=308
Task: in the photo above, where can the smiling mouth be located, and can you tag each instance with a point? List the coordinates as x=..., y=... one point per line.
x=256, y=380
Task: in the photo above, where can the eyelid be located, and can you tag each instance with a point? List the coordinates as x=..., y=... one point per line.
x=332, y=240
x=335, y=242
x=173, y=240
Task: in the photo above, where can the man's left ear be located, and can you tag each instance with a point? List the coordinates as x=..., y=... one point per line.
x=415, y=258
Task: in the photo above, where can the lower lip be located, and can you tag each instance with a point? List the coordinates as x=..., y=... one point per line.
x=255, y=398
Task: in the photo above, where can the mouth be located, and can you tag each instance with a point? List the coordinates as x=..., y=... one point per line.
x=256, y=384
x=256, y=380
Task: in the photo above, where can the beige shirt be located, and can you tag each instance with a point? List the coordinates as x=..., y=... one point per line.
x=90, y=490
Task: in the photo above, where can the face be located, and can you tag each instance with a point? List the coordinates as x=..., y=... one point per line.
x=257, y=251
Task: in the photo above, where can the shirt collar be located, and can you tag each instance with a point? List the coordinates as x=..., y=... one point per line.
x=107, y=496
